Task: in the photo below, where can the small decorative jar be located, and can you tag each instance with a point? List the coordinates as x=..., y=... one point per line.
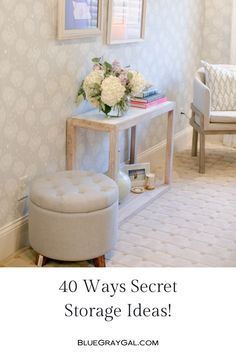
x=150, y=181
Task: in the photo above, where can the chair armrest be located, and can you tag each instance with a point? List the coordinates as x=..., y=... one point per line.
x=201, y=97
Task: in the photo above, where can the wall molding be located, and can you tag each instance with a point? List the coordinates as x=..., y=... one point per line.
x=14, y=235
x=157, y=152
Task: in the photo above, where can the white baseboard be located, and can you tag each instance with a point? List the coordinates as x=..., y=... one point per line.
x=13, y=237
x=157, y=152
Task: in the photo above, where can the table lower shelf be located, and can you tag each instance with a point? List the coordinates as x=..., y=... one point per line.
x=136, y=202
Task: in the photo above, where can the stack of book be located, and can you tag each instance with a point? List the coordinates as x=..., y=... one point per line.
x=148, y=98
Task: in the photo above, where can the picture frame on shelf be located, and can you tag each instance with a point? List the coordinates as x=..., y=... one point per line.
x=126, y=21
x=79, y=18
x=137, y=173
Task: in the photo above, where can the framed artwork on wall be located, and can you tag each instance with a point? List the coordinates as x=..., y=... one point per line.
x=79, y=18
x=126, y=21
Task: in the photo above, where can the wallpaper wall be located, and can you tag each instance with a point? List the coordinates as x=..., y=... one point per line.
x=217, y=31
x=39, y=77
x=233, y=35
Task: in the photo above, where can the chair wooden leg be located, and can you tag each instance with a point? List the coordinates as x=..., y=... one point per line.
x=194, y=142
x=40, y=260
x=100, y=261
x=202, y=154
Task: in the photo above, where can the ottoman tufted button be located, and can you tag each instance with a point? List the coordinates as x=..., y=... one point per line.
x=82, y=192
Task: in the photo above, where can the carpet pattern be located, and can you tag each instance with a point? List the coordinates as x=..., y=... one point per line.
x=192, y=225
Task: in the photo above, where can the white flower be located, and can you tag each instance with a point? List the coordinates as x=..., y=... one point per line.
x=95, y=77
x=91, y=86
x=137, y=83
x=110, y=85
x=112, y=91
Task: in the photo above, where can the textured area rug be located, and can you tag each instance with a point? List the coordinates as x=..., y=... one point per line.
x=192, y=225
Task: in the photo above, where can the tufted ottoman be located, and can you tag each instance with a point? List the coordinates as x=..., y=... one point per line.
x=73, y=216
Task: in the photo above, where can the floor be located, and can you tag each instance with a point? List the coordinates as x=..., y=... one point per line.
x=192, y=225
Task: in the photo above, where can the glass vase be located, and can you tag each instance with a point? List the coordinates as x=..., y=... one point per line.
x=124, y=185
x=115, y=112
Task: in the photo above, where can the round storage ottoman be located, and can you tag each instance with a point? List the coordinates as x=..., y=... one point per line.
x=73, y=216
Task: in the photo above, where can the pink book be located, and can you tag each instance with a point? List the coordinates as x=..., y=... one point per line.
x=149, y=104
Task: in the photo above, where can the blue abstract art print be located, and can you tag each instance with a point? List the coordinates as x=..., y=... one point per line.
x=81, y=14
x=79, y=18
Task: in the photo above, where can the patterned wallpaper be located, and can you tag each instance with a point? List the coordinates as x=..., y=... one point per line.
x=39, y=77
x=233, y=35
x=217, y=31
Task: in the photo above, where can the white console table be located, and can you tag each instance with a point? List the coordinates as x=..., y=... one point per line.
x=97, y=121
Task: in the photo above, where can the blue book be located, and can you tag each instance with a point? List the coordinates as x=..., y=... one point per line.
x=148, y=92
x=148, y=98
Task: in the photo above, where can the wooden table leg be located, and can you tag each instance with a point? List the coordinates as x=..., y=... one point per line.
x=169, y=148
x=133, y=145
x=70, y=144
x=113, y=154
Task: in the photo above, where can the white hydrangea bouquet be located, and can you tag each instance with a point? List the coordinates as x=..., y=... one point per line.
x=109, y=86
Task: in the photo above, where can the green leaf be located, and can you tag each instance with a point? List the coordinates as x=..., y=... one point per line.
x=108, y=65
x=96, y=60
x=105, y=108
x=79, y=99
x=81, y=89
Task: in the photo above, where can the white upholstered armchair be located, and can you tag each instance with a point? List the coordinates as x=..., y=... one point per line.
x=205, y=120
